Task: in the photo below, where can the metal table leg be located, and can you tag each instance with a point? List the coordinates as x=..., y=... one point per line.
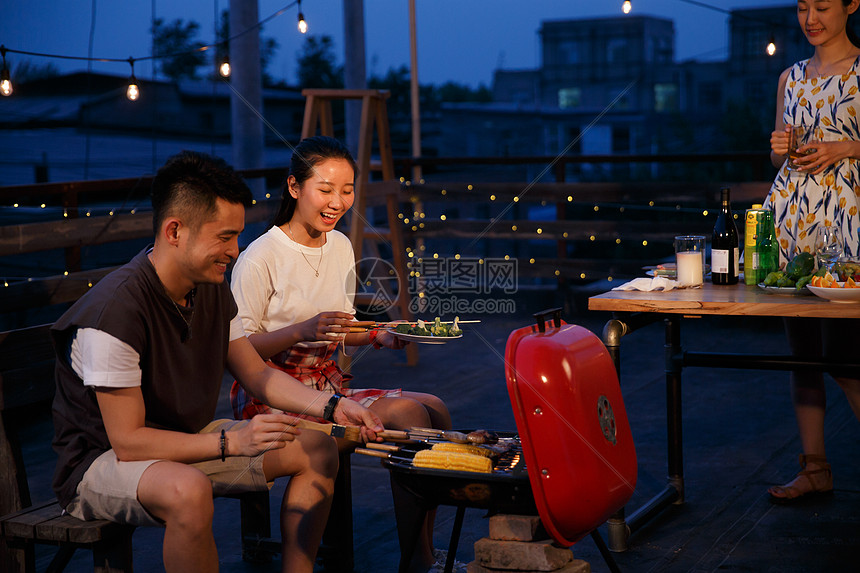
x=620, y=527
x=674, y=434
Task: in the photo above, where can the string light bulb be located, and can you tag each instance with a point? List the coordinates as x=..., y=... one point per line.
x=133, y=91
x=771, y=46
x=626, y=7
x=303, y=26
x=224, y=69
x=5, y=79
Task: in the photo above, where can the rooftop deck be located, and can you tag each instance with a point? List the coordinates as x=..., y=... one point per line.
x=740, y=437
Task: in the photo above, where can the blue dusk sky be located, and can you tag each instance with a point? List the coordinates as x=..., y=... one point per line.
x=458, y=40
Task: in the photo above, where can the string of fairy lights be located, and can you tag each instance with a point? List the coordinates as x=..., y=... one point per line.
x=415, y=221
x=133, y=88
x=224, y=66
x=770, y=47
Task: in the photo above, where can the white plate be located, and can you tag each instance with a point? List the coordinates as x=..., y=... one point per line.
x=425, y=339
x=783, y=290
x=836, y=294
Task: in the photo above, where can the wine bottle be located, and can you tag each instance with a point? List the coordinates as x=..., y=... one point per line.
x=724, y=245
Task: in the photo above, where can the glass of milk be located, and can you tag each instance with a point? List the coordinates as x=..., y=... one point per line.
x=690, y=260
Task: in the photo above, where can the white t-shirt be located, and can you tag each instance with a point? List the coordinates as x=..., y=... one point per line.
x=275, y=286
x=105, y=361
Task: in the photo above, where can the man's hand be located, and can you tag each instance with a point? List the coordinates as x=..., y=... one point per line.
x=351, y=413
x=262, y=433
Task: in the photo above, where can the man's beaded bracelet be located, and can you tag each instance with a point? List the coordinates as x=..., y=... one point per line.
x=223, y=443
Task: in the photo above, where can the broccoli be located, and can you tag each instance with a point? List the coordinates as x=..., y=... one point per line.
x=403, y=328
x=800, y=266
x=428, y=329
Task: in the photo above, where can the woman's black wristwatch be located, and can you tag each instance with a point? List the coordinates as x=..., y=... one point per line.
x=328, y=411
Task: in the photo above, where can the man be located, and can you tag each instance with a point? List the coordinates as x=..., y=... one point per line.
x=139, y=370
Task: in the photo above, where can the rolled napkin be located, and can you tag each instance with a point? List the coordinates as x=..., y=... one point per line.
x=649, y=284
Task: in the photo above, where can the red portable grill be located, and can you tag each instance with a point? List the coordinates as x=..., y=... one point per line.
x=573, y=461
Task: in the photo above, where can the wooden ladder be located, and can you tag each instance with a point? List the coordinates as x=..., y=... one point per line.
x=374, y=114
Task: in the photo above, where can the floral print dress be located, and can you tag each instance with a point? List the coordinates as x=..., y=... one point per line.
x=802, y=202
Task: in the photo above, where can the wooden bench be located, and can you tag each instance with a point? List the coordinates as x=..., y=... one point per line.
x=26, y=390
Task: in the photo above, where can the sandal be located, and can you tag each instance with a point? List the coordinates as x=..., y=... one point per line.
x=790, y=493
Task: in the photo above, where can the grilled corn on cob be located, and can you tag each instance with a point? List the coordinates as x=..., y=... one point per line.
x=458, y=461
x=462, y=448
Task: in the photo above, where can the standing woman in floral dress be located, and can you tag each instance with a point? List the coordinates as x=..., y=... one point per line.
x=823, y=94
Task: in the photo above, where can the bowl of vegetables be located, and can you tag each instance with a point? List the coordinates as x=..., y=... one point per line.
x=793, y=279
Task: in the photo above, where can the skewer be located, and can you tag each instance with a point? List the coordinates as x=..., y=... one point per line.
x=373, y=324
x=382, y=447
x=447, y=435
x=478, y=437
x=353, y=434
x=393, y=435
x=383, y=455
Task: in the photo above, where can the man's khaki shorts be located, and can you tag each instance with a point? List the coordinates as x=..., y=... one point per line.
x=108, y=489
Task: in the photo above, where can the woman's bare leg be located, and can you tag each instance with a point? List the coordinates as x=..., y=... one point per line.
x=413, y=409
x=311, y=461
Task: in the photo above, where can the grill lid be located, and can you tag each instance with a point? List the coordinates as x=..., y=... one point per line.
x=572, y=424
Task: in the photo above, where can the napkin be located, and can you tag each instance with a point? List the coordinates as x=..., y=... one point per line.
x=649, y=284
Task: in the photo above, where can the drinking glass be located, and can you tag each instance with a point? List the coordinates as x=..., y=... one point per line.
x=828, y=246
x=690, y=260
x=799, y=135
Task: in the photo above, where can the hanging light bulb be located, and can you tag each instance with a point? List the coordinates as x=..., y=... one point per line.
x=133, y=91
x=303, y=26
x=224, y=69
x=626, y=7
x=5, y=81
x=771, y=46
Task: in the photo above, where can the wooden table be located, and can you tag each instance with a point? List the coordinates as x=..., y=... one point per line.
x=634, y=309
x=738, y=300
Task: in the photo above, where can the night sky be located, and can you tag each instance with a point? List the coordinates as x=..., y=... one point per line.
x=458, y=40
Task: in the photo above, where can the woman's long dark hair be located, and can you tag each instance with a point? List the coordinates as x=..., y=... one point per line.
x=849, y=26
x=309, y=153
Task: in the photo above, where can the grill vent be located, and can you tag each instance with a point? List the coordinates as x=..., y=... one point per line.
x=606, y=418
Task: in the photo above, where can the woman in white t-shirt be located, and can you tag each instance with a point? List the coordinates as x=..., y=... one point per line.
x=294, y=286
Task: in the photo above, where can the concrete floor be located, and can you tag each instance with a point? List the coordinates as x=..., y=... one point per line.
x=739, y=432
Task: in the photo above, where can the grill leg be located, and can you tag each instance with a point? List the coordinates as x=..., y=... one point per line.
x=604, y=551
x=455, y=538
x=411, y=515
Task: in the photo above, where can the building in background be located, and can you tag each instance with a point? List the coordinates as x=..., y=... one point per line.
x=612, y=86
